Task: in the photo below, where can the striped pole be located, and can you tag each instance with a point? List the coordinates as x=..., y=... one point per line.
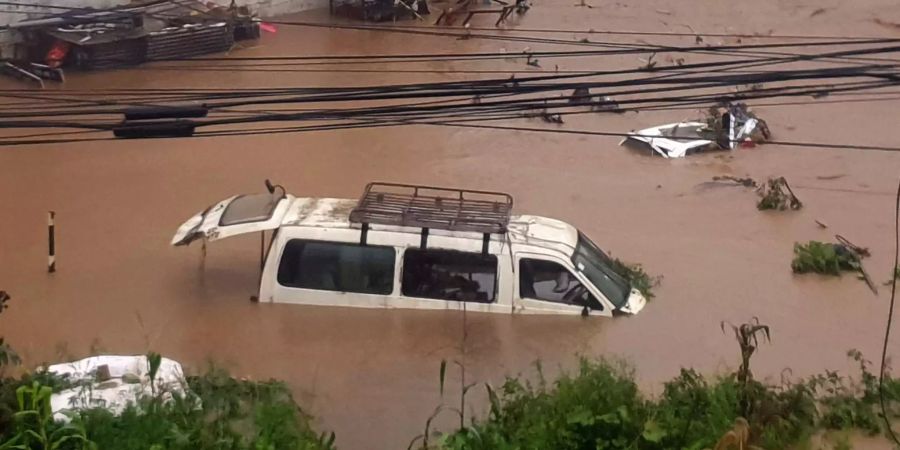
x=51, y=239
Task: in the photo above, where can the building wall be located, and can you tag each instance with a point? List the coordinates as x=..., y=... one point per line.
x=11, y=14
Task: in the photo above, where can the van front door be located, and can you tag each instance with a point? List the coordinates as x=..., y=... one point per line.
x=548, y=285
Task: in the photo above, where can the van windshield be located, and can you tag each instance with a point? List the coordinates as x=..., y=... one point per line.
x=597, y=266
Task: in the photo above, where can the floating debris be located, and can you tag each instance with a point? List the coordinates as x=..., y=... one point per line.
x=607, y=104
x=551, y=118
x=724, y=128
x=581, y=96
x=823, y=257
x=649, y=63
x=777, y=194
x=746, y=182
x=734, y=124
x=831, y=259
x=861, y=251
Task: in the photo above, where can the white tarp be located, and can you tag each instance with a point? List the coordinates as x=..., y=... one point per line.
x=129, y=379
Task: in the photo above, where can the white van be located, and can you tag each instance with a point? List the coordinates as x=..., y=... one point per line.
x=418, y=247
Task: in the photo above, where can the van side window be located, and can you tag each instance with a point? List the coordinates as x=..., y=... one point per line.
x=332, y=266
x=551, y=282
x=449, y=275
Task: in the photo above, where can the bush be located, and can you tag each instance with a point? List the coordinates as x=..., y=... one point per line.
x=694, y=413
x=219, y=412
x=599, y=407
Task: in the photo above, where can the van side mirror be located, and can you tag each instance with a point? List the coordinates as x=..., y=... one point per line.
x=585, y=311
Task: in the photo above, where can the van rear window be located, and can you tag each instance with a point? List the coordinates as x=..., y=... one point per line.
x=249, y=209
x=332, y=266
x=449, y=275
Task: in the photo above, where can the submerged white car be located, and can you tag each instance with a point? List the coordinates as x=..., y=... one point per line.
x=674, y=140
x=677, y=140
x=418, y=247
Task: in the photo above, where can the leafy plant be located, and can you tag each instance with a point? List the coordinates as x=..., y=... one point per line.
x=35, y=427
x=823, y=258
x=637, y=277
x=154, y=360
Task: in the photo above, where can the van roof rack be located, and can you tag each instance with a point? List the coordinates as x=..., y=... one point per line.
x=430, y=207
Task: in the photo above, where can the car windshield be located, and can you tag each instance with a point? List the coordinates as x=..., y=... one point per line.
x=597, y=266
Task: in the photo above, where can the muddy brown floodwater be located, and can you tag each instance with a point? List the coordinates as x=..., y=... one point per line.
x=371, y=375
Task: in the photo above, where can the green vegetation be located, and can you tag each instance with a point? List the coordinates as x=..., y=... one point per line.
x=824, y=258
x=599, y=407
x=220, y=413
x=8, y=357
x=35, y=427
x=637, y=277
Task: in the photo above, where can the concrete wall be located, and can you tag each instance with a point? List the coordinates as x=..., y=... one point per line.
x=11, y=14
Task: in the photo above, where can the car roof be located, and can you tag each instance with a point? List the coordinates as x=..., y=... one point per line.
x=531, y=230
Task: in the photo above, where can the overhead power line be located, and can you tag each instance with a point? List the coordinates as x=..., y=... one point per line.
x=574, y=31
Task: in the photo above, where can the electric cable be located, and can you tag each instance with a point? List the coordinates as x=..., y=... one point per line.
x=887, y=330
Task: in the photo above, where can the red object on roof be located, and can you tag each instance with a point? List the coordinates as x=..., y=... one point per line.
x=57, y=53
